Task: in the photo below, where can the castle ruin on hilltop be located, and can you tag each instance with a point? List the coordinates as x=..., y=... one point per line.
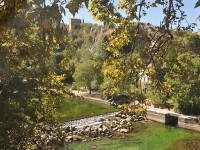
x=74, y=24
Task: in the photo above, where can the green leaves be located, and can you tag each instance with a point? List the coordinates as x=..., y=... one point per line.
x=29, y=83
x=184, y=80
x=85, y=73
x=75, y=5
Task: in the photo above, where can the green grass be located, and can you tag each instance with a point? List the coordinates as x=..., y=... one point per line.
x=71, y=109
x=147, y=136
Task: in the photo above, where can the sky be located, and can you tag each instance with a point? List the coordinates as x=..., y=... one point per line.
x=154, y=16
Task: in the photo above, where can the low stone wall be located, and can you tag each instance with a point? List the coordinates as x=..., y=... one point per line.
x=175, y=119
x=155, y=116
x=189, y=122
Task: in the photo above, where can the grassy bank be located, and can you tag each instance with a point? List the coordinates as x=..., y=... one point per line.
x=75, y=108
x=147, y=136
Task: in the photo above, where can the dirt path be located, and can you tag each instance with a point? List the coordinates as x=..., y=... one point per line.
x=94, y=97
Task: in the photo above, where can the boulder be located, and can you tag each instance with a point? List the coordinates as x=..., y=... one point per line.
x=75, y=132
x=113, y=125
x=69, y=138
x=140, y=118
x=100, y=130
x=67, y=129
x=70, y=133
x=111, y=118
x=101, y=119
x=123, y=130
x=110, y=136
x=104, y=128
x=123, y=116
x=129, y=119
x=84, y=127
x=93, y=134
x=87, y=130
x=77, y=138
x=80, y=132
x=73, y=128
x=116, y=128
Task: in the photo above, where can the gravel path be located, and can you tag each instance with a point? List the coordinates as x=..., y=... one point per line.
x=98, y=100
x=91, y=97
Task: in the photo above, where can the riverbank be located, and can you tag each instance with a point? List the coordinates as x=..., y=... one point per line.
x=146, y=135
x=165, y=116
x=74, y=108
x=105, y=132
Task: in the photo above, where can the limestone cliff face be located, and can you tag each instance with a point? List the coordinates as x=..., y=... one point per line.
x=92, y=36
x=198, y=32
x=97, y=37
x=87, y=41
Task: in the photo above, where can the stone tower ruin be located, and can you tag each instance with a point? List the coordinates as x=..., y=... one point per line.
x=74, y=24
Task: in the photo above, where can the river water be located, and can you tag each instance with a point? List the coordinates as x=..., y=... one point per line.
x=90, y=121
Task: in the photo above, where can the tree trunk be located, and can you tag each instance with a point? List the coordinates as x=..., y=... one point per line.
x=90, y=91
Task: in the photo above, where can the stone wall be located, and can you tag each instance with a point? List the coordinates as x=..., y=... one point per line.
x=189, y=122
x=174, y=119
x=155, y=116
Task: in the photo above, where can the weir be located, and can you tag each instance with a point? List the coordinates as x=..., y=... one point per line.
x=171, y=120
x=174, y=119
